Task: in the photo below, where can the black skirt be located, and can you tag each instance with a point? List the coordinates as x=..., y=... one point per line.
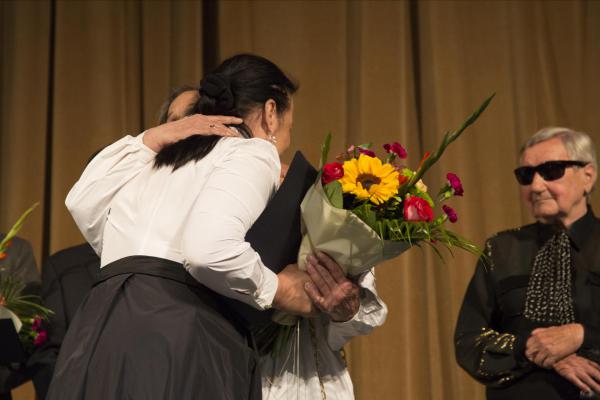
x=148, y=330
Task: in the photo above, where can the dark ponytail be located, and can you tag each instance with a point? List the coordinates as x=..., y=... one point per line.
x=238, y=86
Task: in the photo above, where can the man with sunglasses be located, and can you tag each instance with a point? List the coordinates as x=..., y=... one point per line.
x=530, y=320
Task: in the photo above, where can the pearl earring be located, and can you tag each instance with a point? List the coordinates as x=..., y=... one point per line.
x=272, y=138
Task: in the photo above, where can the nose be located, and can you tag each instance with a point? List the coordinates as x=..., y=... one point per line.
x=538, y=184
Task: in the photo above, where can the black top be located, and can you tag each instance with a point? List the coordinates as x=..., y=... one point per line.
x=491, y=331
x=67, y=277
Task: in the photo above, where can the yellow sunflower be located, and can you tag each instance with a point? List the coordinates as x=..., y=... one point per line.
x=368, y=178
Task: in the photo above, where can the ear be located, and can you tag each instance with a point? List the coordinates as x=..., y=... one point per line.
x=590, y=174
x=270, y=117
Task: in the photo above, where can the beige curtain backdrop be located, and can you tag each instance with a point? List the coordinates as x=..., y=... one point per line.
x=375, y=71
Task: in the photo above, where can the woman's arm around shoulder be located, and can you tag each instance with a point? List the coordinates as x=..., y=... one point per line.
x=244, y=178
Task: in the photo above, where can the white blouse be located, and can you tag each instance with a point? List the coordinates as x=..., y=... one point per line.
x=197, y=215
x=311, y=361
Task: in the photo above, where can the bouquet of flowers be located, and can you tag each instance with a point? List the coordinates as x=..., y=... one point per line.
x=26, y=311
x=363, y=210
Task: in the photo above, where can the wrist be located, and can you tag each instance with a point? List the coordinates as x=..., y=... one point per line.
x=281, y=292
x=152, y=139
x=342, y=318
x=579, y=333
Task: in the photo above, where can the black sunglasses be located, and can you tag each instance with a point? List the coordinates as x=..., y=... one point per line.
x=550, y=170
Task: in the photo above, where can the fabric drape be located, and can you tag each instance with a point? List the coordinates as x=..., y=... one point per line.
x=375, y=71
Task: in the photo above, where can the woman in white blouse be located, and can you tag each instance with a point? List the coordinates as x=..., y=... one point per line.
x=165, y=213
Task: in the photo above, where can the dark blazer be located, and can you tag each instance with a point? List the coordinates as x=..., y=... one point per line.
x=67, y=277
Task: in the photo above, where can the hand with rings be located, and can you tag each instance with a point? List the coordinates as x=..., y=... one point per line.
x=163, y=135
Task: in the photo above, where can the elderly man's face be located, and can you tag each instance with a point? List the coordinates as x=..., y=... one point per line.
x=181, y=105
x=561, y=200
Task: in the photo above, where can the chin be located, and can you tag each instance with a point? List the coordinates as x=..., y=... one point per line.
x=545, y=213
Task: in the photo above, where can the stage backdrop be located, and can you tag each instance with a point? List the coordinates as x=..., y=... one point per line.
x=78, y=75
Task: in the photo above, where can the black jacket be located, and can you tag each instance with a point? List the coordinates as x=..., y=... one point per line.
x=491, y=331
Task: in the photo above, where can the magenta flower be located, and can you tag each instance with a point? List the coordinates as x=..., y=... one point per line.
x=452, y=216
x=40, y=338
x=366, y=152
x=455, y=183
x=395, y=148
x=36, y=324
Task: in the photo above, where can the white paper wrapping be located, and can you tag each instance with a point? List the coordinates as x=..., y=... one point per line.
x=5, y=313
x=341, y=235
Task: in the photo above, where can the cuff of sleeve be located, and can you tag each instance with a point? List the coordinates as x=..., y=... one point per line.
x=355, y=318
x=265, y=295
x=519, y=348
x=591, y=336
x=147, y=153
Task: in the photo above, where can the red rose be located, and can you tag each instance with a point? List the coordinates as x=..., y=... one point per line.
x=395, y=148
x=417, y=209
x=332, y=172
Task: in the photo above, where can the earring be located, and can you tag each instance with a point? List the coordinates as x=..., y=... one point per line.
x=272, y=138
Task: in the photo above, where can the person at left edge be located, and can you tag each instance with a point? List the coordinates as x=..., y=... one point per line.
x=20, y=263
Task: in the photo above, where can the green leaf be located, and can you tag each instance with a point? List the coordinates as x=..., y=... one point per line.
x=333, y=191
x=365, y=213
x=16, y=227
x=325, y=150
x=449, y=137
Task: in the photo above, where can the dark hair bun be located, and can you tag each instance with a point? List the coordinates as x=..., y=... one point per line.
x=218, y=87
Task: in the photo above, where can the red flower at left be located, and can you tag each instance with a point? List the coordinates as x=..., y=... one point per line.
x=332, y=172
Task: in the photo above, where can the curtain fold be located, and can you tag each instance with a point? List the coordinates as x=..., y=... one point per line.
x=369, y=72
